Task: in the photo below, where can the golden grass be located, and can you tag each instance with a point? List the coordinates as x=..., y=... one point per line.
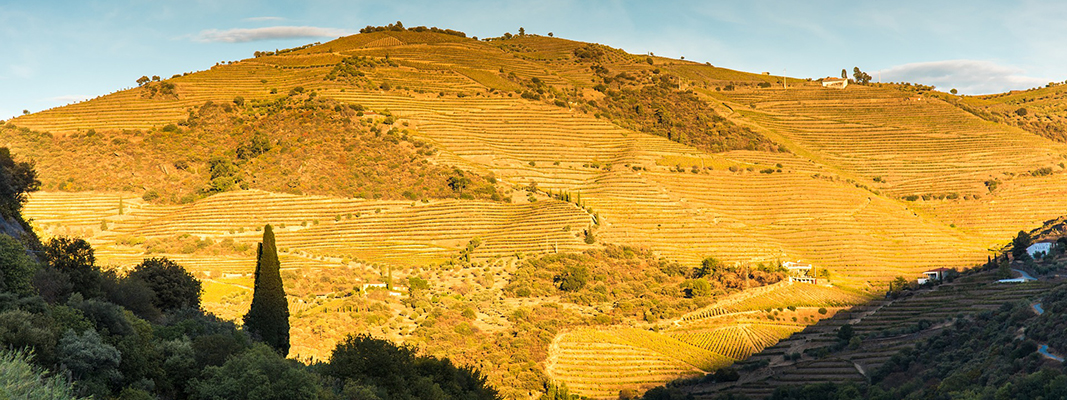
x=822, y=205
x=600, y=362
x=328, y=245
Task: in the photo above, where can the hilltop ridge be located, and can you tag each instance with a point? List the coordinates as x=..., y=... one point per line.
x=394, y=155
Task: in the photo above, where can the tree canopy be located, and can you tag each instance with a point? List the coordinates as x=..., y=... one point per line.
x=268, y=318
x=1019, y=244
x=76, y=260
x=860, y=76
x=374, y=367
x=259, y=373
x=174, y=287
x=16, y=268
x=17, y=179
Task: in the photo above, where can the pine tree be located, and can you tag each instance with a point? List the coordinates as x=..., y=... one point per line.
x=268, y=318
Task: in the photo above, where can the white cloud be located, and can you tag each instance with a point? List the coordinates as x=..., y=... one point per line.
x=69, y=98
x=262, y=19
x=268, y=33
x=968, y=76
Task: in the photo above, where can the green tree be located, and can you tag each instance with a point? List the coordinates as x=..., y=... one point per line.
x=954, y=91
x=258, y=144
x=558, y=392
x=860, y=76
x=415, y=284
x=17, y=180
x=268, y=318
x=20, y=329
x=696, y=288
x=223, y=174
x=174, y=287
x=370, y=368
x=897, y=285
x=845, y=332
x=458, y=183
x=572, y=279
x=75, y=259
x=133, y=294
x=522, y=31
x=1019, y=245
x=142, y=80
x=1004, y=267
x=259, y=373
x=707, y=267
x=16, y=268
x=20, y=379
x=367, y=361
x=844, y=73
x=92, y=362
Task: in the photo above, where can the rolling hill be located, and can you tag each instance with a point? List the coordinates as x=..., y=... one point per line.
x=439, y=164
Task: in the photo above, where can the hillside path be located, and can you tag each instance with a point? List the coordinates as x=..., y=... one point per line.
x=1043, y=348
x=1044, y=351
x=1024, y=275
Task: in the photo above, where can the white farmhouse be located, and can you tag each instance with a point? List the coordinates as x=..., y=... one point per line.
x=839, y=83
x=801, y=272
x=1042, y=247
x=933, y=275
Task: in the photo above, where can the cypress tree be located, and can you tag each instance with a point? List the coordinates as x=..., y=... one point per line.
x=268, y=318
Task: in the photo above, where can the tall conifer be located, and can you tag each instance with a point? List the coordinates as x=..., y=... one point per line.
x=268, y=318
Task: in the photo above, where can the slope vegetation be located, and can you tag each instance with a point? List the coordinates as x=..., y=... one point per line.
x=410, y=174
x=888, y=332
x=600, y=363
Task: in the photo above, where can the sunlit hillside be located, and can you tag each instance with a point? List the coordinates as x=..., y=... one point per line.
x=439, y=165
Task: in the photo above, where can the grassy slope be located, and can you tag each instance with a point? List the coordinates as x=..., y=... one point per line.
x=1040, y=110
x=296, y=143
x=899, y=143
x=818, y=202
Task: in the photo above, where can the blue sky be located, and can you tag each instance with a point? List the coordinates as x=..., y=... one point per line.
x=56, y=52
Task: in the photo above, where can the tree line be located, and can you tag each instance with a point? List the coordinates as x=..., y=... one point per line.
x=399, y=27
x=71, y=330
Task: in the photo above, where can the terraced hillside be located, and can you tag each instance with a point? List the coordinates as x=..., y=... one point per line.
x=986, y=178
x=600, y=363
x=885, y=327
x=354, y=241
x=571, y=146
x=914, y=144
x=1039, y=110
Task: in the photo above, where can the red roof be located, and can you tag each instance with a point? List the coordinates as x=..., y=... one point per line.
x=833, y=79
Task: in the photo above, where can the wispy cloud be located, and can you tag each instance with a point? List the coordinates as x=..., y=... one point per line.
x=263, y=19
x=968, y=76
x=69, y=98
x=268, y=33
